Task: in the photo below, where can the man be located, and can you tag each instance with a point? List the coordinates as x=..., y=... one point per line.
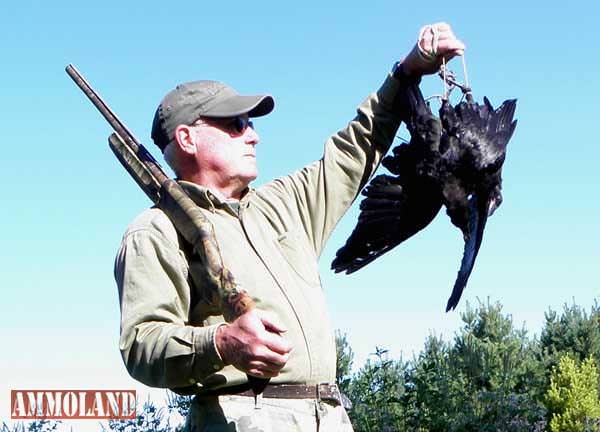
x=172, y=330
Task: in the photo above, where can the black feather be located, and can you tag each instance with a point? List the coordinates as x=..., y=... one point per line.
x=395, y=208
x=455, y=161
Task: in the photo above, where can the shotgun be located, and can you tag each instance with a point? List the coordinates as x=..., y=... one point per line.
x=185, y=215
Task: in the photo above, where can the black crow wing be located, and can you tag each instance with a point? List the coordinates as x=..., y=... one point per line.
x=389, y=214
x=396, y=208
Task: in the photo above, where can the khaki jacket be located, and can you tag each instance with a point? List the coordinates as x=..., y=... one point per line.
x=168, y=321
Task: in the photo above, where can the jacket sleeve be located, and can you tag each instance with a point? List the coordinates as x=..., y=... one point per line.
x=320, y=193
x=158, y=345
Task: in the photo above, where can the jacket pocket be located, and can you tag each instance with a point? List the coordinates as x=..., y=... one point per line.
x=300, y=256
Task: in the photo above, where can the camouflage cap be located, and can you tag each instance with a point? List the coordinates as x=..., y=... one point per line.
x=192, y=100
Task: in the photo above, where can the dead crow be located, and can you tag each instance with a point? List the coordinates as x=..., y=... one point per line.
x=454, y=160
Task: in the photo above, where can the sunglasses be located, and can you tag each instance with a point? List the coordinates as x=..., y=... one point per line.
x=231, y=125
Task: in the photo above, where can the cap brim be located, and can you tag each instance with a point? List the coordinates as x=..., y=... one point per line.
x=254, y=106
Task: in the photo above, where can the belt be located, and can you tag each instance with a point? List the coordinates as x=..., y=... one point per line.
x=325, y=392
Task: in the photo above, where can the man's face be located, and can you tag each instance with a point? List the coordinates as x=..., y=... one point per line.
x=226, y=150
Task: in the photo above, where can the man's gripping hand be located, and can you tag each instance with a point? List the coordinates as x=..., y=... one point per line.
x=253, y=344
x=435, y=43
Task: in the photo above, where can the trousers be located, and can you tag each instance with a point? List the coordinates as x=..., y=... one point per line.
x=231, y=413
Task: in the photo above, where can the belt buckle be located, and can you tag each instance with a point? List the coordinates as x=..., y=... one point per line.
x=334, y=395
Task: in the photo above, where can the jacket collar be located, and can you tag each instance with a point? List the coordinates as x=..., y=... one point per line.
x=205, y=198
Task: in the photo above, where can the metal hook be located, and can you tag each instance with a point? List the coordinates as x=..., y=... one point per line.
x=450, y=82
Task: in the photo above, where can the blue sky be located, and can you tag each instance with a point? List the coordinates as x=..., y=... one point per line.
x=67, y=201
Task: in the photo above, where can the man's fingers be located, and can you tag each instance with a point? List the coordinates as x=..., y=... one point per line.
x=453, y=49
x=262, y=362
x=272, y=325
x=272, y=358
x=450, y=43
x=277, y=343
x=273, y=339
x=440, y=43
x=262, y=373
x=266, y=366
x=267, y=361
x=440, y=26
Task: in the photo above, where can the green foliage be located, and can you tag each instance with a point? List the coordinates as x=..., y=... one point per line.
x=178, y=403
x=489, y=351
x=433, y=391
x=572, y=398
x=151, y=418
x=344, y=359
x=34, y=426
x=574, y=332
x=376, y=392
x=480, y=382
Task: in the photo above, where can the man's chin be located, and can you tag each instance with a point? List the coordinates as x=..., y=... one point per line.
x=250, y=176
x=245, y=180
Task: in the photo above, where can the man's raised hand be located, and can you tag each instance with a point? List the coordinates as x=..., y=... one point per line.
x=435, y=43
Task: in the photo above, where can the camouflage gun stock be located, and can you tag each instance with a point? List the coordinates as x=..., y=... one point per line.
x=178, y=206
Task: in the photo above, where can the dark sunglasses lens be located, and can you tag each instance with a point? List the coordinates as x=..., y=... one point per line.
x=240, y=127
x=241, y=124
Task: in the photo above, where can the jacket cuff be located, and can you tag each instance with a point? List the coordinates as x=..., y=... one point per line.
x=395, y=82
x=392, y=94
x=388, y=91
x=207, y=359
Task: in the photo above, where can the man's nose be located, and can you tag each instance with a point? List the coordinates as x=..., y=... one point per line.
x=251, y=136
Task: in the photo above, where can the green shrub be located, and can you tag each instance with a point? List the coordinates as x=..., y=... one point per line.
x=572, y=399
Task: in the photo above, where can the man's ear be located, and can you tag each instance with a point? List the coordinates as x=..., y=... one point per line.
x=184, y=137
